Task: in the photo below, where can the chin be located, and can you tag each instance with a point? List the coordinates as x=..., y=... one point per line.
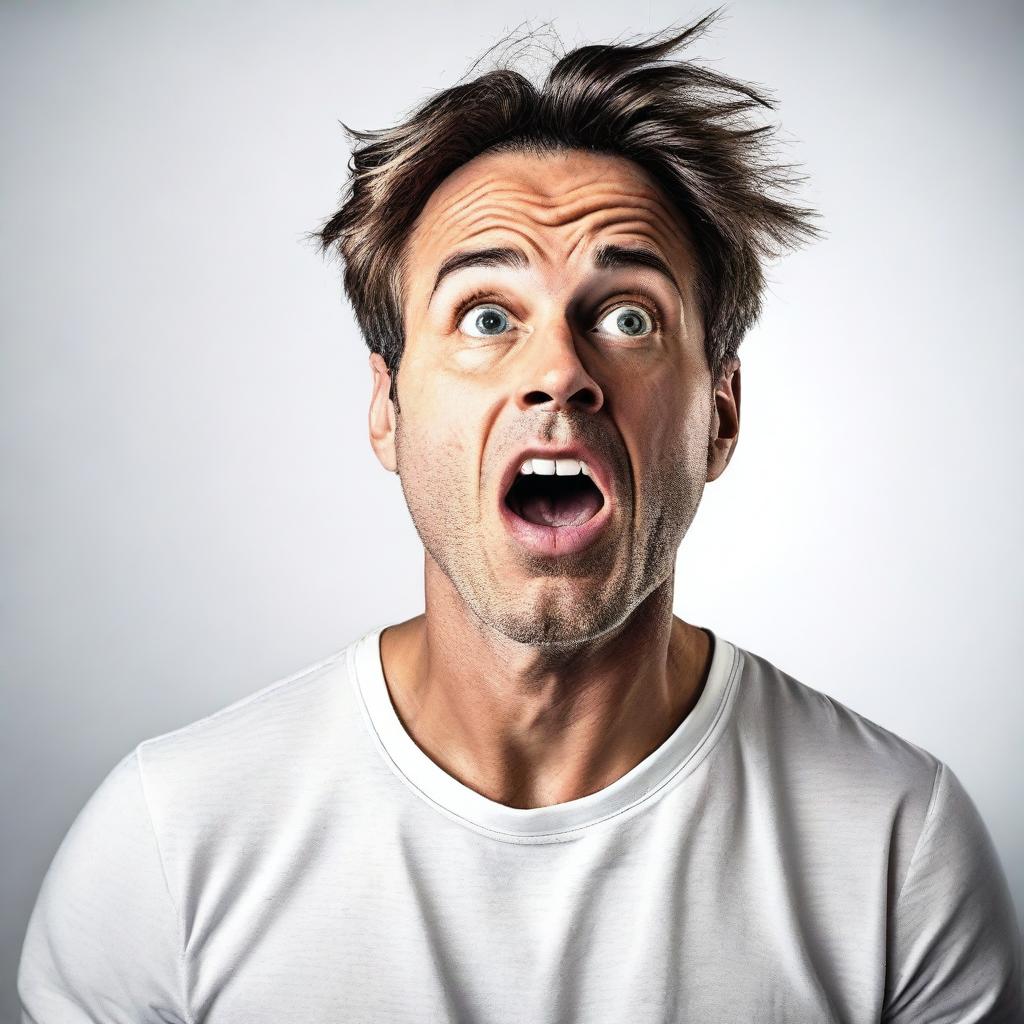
x=554, y=620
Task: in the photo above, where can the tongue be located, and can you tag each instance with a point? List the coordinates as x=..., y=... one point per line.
x=567, y=510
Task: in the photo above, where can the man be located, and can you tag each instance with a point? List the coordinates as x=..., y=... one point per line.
x=547, y=798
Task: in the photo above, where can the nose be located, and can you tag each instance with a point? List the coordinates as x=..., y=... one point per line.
x=553, y=377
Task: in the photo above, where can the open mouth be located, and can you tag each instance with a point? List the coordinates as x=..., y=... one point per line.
x=554, y=500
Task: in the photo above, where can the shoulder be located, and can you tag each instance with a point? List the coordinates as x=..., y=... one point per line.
x=204, y=801
x=813, y=731
x=253, y=752
x=104, y=902
x=858, y=798
x=844, y=781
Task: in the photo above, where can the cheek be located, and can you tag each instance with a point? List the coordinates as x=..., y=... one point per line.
x=435, y=450
x=443, y=412
x=669, y=421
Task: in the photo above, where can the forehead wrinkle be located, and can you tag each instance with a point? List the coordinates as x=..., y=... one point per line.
x=495, y=211
x=583, y=210
x=549, y=208
x=654, y=208
x=603, y=228
x=605, y=198
x=498, y=184
x=466, y=222
x=557, y=214
x=519, y=207
x=471, y=223
x=496, y=190
x=608, y=206
x=551, y=199
x=529, y=244
x=545, y=179
x=467, y=194
x=441, y=213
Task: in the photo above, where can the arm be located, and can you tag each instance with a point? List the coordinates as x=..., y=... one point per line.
x=103, y=942
x=954, y=943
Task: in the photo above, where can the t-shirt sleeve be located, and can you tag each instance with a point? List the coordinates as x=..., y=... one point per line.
x=103, y=940
x=955, y=945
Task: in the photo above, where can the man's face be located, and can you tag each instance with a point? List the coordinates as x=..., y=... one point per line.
x=564, y=340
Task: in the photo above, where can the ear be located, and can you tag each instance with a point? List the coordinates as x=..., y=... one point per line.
x=725, y=420
x=382, y=414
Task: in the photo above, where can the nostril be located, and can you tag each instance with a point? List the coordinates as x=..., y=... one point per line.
x=586, y=398
x=536, y=398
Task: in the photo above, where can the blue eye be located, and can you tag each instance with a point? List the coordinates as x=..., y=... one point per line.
x=484, y=322
x=632, y=321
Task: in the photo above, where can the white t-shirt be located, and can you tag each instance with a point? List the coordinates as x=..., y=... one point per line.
x=296, y=858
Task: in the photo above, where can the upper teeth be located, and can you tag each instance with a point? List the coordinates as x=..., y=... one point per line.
x=555, y=467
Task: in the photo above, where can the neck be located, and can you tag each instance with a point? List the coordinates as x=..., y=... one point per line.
x=529, y=726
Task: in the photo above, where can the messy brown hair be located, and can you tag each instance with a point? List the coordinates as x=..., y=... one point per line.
x=688, y=127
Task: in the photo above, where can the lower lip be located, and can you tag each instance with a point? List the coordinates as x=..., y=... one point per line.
x=555, y=540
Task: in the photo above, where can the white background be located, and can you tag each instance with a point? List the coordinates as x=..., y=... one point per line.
x=191, y=508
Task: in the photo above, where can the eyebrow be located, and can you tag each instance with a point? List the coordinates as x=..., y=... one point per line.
x=495, y=257
x=612, y=257
x=606, y=257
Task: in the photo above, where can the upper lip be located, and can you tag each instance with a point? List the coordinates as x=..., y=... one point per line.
x=600, y=473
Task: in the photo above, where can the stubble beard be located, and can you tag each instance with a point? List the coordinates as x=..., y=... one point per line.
x=553, y=615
